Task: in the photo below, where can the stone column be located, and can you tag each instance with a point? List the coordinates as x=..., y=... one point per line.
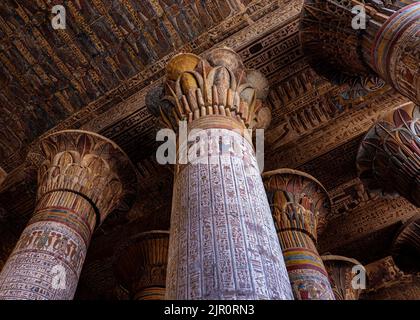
x=388, y=160
x=339, y=47
x=223, y=243
x=387, y=282
x=406, y=246
x=299, y=205
x=340, y=271
x=141, y=265
x=82, y=177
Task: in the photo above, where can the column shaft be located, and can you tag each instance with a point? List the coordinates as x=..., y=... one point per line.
x=223, y=242
x=394, y=53
x=48, y=258
x=82, y=177
x=298, y=205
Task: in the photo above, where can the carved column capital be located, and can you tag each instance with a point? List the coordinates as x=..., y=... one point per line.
x=406, y=245
x=340, y=272
x=82, y=177
x=329, y=41
x=86, y=164
x=300, y=201
x=388, y=160
x=299, y=206
x=340, y=46
x=219, y=209
x=214, y=90
x=141, y=265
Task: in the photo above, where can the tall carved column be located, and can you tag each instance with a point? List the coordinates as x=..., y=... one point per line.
x=388, y=159
x=299, y=206
x=141, y=265
x=406, y=246
x=82, y=177
x=223, y=243
x=339, y=46
x=340, y=271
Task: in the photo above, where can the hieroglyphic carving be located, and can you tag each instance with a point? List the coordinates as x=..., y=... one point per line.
x=141, y=265
x=82, y=177
x=299, y=205
x=388, y=159
x=134, y=124
x=223, y=243
x=395, y=52
x=372, y=216
x=253, y=27
x=348, y=196
x=381, y=272
x=132, y=98
x=343, y=129
x=224, y=216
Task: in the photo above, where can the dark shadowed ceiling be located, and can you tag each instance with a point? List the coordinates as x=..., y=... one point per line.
x=48, y=75
x=94, y=75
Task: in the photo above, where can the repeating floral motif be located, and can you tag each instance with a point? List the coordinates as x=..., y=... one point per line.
x=82, y=177
x=216, y=84
x=388, y=160
x=223, y=243
x=341, y=275
x=299, y=205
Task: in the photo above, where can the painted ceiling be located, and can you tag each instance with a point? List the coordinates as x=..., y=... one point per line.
x=95, y=73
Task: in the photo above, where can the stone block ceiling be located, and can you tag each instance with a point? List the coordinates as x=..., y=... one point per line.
x=94, y=75
x=48, y=75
